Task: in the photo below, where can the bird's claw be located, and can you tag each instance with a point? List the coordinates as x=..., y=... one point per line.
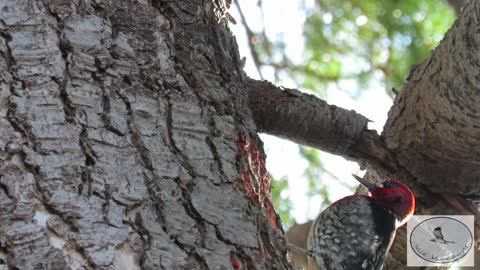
x=278, y=234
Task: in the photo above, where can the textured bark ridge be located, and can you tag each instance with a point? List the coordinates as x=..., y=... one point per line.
x=125, y=140
x=434, y=125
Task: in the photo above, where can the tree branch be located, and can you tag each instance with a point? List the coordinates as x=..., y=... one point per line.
x=304, y=118
x=310, y=121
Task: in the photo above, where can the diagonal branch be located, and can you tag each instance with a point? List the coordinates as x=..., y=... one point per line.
x=304, y=118
x=310, y=121
x=251, y=37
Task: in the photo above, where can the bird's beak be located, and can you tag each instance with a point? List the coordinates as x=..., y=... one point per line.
x=365, y=183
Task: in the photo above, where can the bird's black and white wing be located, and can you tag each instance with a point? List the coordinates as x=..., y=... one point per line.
x=352, y=234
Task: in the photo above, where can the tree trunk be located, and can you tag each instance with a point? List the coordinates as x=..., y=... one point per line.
x=128, y=137
x=126, y=141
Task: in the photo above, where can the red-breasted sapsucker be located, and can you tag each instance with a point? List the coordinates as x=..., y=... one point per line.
x=356, y=232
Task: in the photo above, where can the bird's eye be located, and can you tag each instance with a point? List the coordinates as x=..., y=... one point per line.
x=390, y=184
x=397, y=200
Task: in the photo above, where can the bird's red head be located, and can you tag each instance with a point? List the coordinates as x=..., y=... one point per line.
x=394, y=196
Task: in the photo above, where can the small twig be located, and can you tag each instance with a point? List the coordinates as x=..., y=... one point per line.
x=334, y=177
x=251, y=37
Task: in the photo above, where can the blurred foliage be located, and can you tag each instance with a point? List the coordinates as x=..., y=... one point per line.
x=315, y=170
x=358, y=42
x=370, y=40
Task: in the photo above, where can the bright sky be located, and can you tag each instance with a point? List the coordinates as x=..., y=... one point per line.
x=285, y=18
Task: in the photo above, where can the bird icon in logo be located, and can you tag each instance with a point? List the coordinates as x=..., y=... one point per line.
x=437, y=232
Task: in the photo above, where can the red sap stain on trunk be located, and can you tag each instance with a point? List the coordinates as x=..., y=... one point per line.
x=245, y=184
x=272, y=215
x=261, y=252
x=240, y=261
x=254, y=180
x=235, y=260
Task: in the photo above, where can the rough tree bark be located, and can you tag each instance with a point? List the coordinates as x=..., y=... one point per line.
x=127, y=140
